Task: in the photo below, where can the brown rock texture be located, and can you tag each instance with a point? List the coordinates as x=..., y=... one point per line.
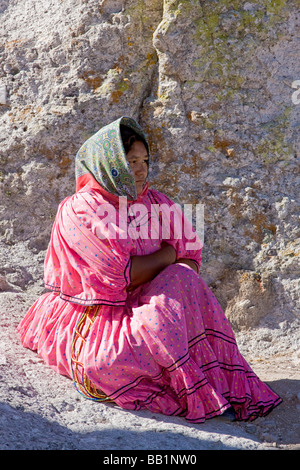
x=216, y=86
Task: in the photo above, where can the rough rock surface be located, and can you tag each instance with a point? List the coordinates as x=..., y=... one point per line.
x=213, y=84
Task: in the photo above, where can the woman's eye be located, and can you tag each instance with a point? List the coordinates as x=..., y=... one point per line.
x=134, y=162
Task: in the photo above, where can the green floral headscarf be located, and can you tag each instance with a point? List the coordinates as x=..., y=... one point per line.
x=104, y=157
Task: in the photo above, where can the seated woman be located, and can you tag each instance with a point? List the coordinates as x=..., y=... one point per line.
x=128, y=316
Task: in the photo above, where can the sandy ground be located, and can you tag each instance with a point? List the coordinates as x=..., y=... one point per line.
x=40, y=410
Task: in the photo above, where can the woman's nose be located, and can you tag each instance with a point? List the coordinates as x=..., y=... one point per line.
x=140, y=170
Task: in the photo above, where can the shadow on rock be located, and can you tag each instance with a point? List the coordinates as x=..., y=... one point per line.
x=21, y=430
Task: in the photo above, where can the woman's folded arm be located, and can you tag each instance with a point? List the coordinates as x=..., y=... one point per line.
x=145, y=267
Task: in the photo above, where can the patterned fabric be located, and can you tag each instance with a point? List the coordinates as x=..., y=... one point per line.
x=89, y=270
x=166, y=346
x=103, y=157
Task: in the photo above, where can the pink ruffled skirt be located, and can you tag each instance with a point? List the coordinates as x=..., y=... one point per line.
x=170, y=350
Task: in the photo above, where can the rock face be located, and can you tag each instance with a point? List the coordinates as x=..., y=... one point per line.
x=214, y=83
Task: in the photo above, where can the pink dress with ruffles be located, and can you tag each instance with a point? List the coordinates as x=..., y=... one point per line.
x=166, y=346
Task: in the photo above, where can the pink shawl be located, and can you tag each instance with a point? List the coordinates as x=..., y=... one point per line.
x=87, y=269
x=85, y=264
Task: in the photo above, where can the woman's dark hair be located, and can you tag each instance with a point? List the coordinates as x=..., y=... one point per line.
x=129, y=136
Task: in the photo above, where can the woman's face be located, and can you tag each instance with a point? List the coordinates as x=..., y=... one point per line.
x=137, y=158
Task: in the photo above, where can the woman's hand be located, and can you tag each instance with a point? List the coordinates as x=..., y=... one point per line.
x=168, y=251
x=145, y=267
